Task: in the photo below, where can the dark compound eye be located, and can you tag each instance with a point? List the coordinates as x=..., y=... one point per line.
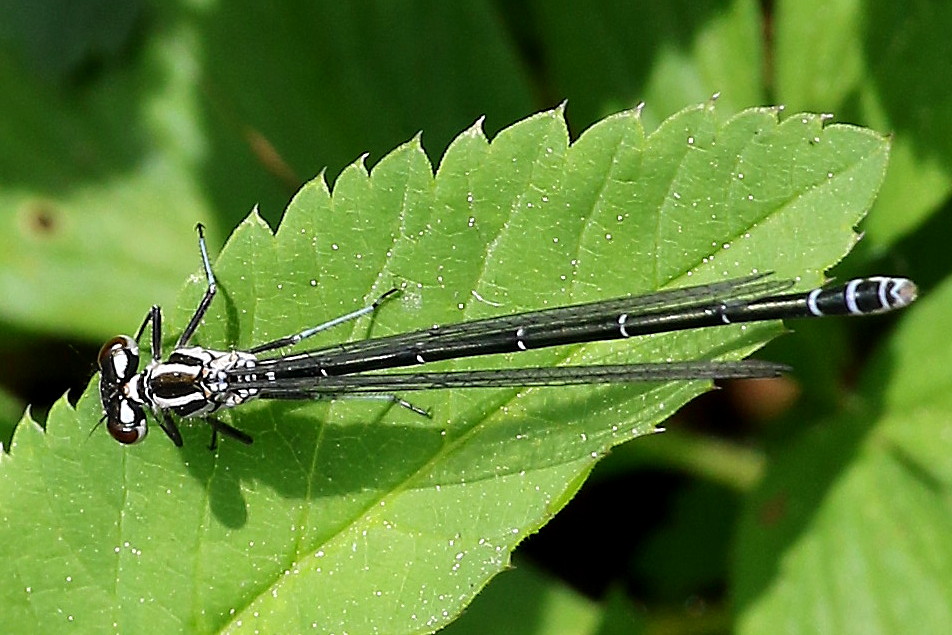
x=128, y=425
x=115, y=345
x=128, y=434
x=119, y=357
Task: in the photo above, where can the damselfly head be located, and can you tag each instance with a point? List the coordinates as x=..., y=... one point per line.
x=118, y=366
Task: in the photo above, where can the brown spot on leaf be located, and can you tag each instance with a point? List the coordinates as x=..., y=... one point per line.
x=40, y=217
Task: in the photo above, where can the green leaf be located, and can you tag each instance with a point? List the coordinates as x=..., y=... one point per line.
x=351, y=78
x=11, y=410
x=526, y=600
x=867, y=62
x=863, y=545
x=665, y=54
x=171, y=134
x=82, y=177
x=352, y=516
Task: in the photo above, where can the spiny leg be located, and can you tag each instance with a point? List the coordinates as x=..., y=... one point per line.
x=291, y=340
x=392, y=399
x=403, y=403
x=228, y=431
x=170, y=428
x=209, y=291
x=154, y=316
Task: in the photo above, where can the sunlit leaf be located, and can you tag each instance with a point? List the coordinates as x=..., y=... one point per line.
x=352, y=516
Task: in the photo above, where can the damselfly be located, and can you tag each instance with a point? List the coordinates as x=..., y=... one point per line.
x=198, y=382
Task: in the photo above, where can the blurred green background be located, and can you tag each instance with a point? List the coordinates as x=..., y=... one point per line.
x=122, y=124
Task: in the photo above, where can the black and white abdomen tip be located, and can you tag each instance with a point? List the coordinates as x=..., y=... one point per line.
x=863, y=296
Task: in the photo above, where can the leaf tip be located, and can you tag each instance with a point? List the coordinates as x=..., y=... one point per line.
x=27, y=431
x=416, y=144
x=711, y=104
x=478, y=128
x=254, y=216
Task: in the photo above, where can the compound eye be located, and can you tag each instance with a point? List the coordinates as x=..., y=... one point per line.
x=120, y=357
x=130, y=425
x=128, y=435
